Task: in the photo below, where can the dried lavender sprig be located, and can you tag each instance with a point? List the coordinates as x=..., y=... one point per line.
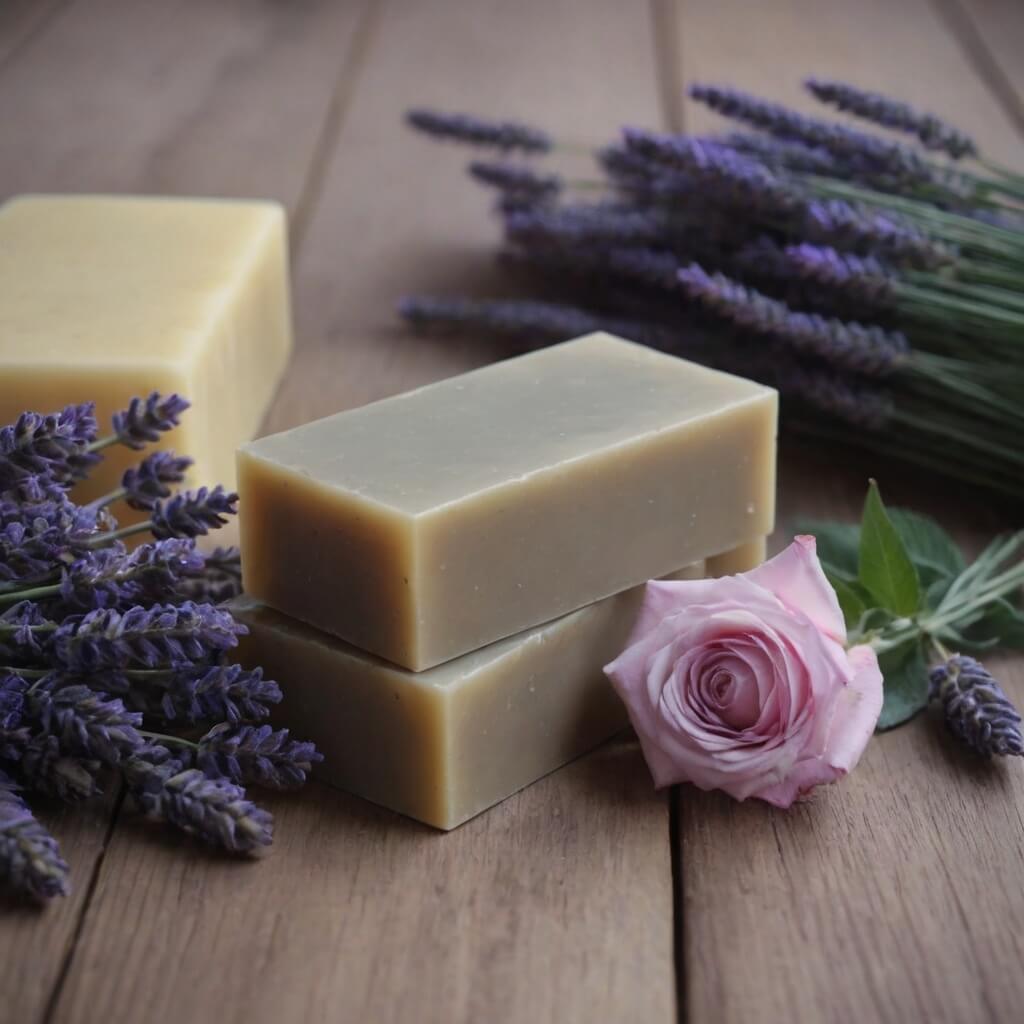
x=160, y=634
x=250, y=754
x=85, y=722
x=13, y=734
x=933, y=132
x=976, y=708
x=786, y=155
x=46, y=767
x=143, y=485
x=869, y=350
x=516, y=180
x=217, y=693
x=193, y=513
x=30, y=859
x=220, y=580
x=214, y=810
x=582, y=224
x=145, y=420
x=899, y=162
x=504, y=135
x=52, y=447
x=863, y=277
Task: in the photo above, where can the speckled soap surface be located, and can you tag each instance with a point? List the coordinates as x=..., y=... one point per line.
x=435, y=522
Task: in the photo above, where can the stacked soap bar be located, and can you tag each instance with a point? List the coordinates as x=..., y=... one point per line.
x=453, y=529
x=103, y=298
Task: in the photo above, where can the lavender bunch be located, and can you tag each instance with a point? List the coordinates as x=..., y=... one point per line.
x=878, y=289
x=102, y=644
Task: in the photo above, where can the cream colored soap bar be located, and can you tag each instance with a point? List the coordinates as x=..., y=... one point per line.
x=103, y=298
x=436, y=522
x=446, y=744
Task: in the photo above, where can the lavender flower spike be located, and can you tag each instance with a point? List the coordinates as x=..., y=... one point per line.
x=504, y=135
x=976, y=708
x=221, y=692
x=53, y=447
x=193, y=513
x=516, y=180
x=932, y=131
x=144, y=421
x=256, y=754
x=30, y=859
x=147, y=483
x=863, y=349
x=862, y=277
x=85, y=722
x=215, y=810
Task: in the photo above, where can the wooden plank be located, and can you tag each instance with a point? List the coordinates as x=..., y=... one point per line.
x=904, y=49
x=557, y=905
x=20, y=20
x=188, y=98
x=991, y=33
x=550, y=907
x=888, y=897
x=34, y=944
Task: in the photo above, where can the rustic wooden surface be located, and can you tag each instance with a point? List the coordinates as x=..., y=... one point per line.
x=896, y=896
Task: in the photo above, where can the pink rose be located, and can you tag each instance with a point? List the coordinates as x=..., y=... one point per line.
x=743, y=683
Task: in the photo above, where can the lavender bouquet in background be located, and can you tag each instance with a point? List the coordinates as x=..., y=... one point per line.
x=874, y=282
x=115, y=662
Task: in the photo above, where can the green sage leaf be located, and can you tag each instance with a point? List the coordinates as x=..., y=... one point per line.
x=884, y=566
x=837, y=545
x=905, y=687
x=851, y=603
x=1001, y=625
x=935, y=555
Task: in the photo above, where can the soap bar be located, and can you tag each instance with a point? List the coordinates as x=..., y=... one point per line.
x=741, y=558
x=433, y=523
x=445, y=744
x=103, y=298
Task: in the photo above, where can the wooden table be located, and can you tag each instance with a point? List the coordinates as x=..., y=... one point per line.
x=588, y=897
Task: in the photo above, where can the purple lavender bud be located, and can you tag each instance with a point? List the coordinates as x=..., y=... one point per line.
x=862, y=277
x=504, y=135
x=256, y=754
x=723, y=175
x=899, y=162
x=834, y=222
x=933, y=132
x=517, y=180
x=53, y=447
x=193, y=513
x=148, y=482
x=30, y=859
x=581, y=225
x=976, y=708
x=647, y=266
x=161, y=634
x=219, y=693
x=214, y=810
x=220, y=580
x=145, y=420
x=50, y=770
x=863, y=349
x=85, y=722
x=13, y=734
x=784, y=155
x=835, y=396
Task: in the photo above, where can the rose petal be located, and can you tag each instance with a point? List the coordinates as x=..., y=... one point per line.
x=858, y=706
x=796, y=578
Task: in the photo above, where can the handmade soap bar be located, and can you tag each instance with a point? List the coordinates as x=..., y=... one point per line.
x=103, y=298
x=445, y=744
x=438, y=521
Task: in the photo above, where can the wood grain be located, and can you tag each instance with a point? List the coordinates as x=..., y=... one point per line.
x=189, y=98
x=557, y=905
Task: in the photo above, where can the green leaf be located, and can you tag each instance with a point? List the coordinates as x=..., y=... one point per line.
x=935, y=555
x=884, y=566
x=837, y=545
x=850, y=602
x=905, y=691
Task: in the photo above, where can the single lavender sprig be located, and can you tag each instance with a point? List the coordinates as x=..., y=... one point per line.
x=504, y=135
x=13, y=734
x=899, y=162
x=85, y=722
x=46, y=767
x=211, y=694
x=145, y=420
x=259, y=755
x=786, y=155
x=52, y=447
x=214, y=810
x=144, y=485
x=863, y=349
x=933, y=132
x=976, y=708
x=582, y=225
x=193, y=513
x=516, y=180
x=863, y=277
x=30, y=859
x=161, y=634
